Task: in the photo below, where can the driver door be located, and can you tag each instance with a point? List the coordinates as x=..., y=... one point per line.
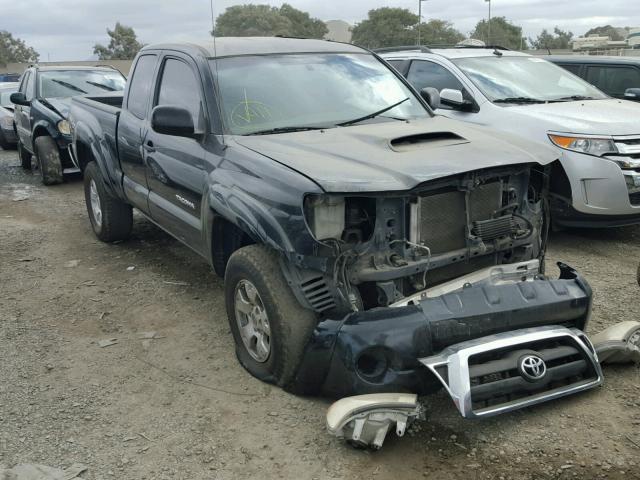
x=22, y=116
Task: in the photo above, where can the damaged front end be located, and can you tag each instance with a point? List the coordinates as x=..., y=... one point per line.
x=442, y=286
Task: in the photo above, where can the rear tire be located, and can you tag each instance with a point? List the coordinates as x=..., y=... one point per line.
x=289, y=325
x=49, y=160
x=25, y=157
x=111, y=219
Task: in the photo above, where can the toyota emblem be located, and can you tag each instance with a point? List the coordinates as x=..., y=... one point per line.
x=532, y=368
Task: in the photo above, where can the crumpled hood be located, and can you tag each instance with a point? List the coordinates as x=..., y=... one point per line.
x=595, y=117
x=60, y=105
x=361, y=158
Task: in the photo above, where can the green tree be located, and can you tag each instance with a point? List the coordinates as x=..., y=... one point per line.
x=558, y=40
x=14, y=50
x=302, y=24
x=123, y=45
x=439, y=32
x=263, y=20
x=606, y=31
x=386, y=27
x=503, y=33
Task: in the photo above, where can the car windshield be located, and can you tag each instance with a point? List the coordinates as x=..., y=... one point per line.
x=277, y=93
x=517, y=79
x=68, y=83
x=5, y=95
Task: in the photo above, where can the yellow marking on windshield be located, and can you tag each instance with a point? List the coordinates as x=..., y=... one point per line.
x=248, y=111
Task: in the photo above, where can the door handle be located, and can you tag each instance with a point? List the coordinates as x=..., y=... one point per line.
x=149, y=147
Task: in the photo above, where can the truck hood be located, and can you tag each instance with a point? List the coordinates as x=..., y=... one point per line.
x=59, y=105
x=595, y=117
x=374, y=157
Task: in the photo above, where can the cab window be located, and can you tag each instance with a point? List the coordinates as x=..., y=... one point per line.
x=613, y=80
x=423, y=74
x=140, y=87
x=179, y=87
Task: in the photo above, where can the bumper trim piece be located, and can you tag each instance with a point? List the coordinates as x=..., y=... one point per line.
x=451, y=367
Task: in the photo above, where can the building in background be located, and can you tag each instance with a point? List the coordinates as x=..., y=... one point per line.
x=339, y=31
x=633, y=39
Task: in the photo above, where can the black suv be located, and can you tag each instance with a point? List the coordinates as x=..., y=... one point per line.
x=42, y=105
x=618, y=77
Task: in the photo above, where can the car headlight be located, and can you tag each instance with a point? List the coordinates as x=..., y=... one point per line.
x=590, y=146
x=64, y=127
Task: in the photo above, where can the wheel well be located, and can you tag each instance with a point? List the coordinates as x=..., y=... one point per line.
x=38, y=132
x=84, y=155
x=559, y=182
x=226, y=238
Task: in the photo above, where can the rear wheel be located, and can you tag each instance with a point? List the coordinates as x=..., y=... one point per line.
x=49, y=160
x=111, y=219
x=269, y=326
x=25, y=157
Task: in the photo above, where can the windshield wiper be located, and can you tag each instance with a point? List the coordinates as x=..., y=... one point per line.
x=102, y=85
x=286, y=130
x=372, y=115
x=68, y=85
x=519, y=100
x=575, y=97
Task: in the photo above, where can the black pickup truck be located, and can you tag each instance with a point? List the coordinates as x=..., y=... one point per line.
x=367, y=246
x=41, y=108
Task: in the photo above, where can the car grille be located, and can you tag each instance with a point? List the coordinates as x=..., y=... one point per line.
x=443, y=216
x=486, y=377
x=634, y=198
x=496, y=381
x=628, y=146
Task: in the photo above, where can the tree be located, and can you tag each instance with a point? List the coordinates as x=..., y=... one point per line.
x=439, y=32
x=302, y=24
x=558, y=40
x=123, y=45
x=606, y=31
x=263, y=20
x=386, y=27
x=14, y=50
x=503, y=33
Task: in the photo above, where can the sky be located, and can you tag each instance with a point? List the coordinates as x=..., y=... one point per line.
x=67, y=30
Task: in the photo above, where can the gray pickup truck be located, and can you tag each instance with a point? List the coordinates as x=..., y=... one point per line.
x=367, y=246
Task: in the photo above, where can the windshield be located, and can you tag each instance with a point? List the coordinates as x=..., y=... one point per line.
x=284, y=92
x=4, y=97
x=68, y=83
x=525, y=78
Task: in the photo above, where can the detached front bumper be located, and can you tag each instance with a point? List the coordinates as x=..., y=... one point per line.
x=379, y=350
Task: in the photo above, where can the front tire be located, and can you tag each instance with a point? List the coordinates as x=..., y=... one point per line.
x=49, y=160
x=3, y=142
x=111, y=219
x=269, y=326
x=25, y=157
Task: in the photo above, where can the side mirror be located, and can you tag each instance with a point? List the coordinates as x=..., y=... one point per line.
x=18, y=98
x=172, y=120
x=451, y=98
x=632, y=94
x=431, y=96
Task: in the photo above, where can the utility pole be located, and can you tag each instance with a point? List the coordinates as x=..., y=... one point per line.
x=420, y=20
x=489, y=24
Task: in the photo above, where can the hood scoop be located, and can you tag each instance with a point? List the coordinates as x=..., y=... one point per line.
x=420, y=140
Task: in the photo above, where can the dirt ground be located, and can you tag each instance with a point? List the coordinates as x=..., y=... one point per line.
x=179, y=406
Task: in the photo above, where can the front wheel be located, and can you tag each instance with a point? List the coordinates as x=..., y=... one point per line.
x=269, y=326
x=111, y=219
x=49, y=161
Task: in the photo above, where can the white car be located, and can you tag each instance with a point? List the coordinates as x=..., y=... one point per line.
x=597, y=182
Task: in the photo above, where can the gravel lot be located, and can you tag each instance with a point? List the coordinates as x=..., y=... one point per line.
x=179, y=406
